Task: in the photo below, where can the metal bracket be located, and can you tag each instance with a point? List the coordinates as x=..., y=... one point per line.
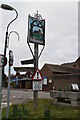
x=41, y=52
x=30, y=49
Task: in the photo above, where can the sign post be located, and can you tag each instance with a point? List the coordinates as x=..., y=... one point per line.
x=36, y=35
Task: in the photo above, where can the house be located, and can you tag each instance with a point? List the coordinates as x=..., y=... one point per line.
x=60, y=76
x=24, y=75
x=55, y=76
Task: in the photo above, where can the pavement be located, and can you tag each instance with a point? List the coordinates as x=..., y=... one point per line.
x=18, y=96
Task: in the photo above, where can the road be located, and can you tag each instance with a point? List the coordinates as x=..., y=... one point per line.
x=20, y=96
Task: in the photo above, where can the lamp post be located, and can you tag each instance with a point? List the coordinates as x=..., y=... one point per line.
x=7, y=7
x=10, y=64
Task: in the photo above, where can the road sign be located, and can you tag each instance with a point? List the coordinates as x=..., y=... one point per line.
x=45, y=78
x=2, y=60
x=10, y=57
x=37, y=75
x=31, y=61
x=37, y=85
x=14, y=79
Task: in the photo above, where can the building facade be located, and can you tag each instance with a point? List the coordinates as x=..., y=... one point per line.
x=62, y=76
x=58, y=77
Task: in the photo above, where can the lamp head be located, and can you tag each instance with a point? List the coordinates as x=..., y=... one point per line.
x=6, y=7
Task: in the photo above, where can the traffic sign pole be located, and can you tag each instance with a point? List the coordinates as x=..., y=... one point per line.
x=8, y=94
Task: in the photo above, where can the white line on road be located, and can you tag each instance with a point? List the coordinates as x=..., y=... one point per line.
x=5, y=105
x=19, y=97
x=4, y=96
x=4, y=100
x=13, y=96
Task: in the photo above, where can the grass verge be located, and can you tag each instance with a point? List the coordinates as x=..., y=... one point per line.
x=45, y=110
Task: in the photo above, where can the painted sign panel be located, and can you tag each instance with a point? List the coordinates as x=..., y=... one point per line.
x=36, y=30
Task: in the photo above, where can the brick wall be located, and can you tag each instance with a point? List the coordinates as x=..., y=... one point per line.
x=28, y=84
x=64, y=81
x=45, y=71
x=59, y=81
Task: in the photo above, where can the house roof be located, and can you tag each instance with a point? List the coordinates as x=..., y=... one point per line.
x=73, y=64
x=62, y=69
x=24, y=79
x=78, y=60
x=24, y=69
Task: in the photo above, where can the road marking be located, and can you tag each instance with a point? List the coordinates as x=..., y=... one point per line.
x=4, y=96
x=5, y=105
x=19, y=97
x=14, y=96
x=4, y=100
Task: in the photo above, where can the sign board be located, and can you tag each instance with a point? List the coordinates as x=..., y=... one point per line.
x=37, y=85
x=14, y=79
x=37, y=75
x=10, y=58
x=31, y=61
x=45, y=78
x=36, y=30
x=2, y=60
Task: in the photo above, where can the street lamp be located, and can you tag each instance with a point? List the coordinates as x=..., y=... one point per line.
x=7, y=7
